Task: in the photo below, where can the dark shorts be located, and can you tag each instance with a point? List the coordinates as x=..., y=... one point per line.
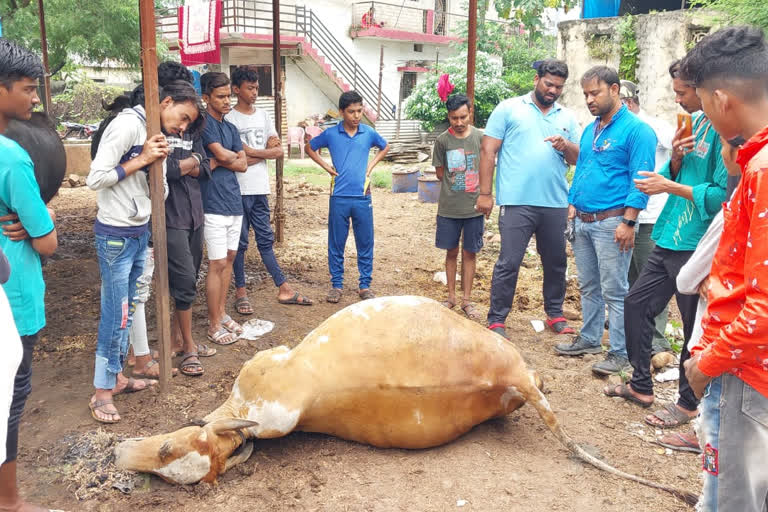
x=449, y=232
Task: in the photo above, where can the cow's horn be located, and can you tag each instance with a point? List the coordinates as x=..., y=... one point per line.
x=227, y=424
x=242, y=454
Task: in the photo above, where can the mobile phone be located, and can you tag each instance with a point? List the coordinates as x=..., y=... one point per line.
x=685, y=121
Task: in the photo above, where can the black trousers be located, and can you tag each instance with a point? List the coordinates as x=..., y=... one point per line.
x=517, y=224
x=22, y=386
x=647, y=298
x=185, y=252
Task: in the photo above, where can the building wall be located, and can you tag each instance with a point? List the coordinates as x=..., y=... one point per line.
x=302, y=96
x=661, y=39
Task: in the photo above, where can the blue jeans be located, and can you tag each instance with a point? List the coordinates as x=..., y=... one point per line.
x=602, y=269
x=121, y=262
x=360, y=211
x=709, y=434
x=256, y=216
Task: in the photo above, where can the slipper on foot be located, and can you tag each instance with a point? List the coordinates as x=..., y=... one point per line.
x=222, y=337
x=97, y=405
x=243, y=306
x=670, y=416
x=624, y=391
x=560, y=326
x=132, y=388
x=680, y=442
x=297, y=299
x=191, y=368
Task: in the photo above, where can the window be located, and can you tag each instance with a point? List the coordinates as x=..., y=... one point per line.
x=418, y=48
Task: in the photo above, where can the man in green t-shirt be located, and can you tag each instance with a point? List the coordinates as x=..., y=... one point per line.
x=455, y=157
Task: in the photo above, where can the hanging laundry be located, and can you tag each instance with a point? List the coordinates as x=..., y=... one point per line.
x=199, y=33
x=444, y=87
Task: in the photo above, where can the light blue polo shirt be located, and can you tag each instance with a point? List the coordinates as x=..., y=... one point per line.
x=349, y=156
x=529, y=171
x=20, y=194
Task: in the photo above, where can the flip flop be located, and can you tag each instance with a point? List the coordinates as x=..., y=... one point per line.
x=296, y=299
x=98, y=404
x=222, y=337
x=625, y=393
x=334, y=295
x=229, y=324
x=560, y=325
x=131, y=386
x=670, y=417
x=680, y=442
x=146, y=376
x=243, y=306
x=186, y=366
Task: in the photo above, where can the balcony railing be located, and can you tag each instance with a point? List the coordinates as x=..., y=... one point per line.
x=367, y=15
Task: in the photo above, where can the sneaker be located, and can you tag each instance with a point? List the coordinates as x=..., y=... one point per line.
x=611, y=365
x=577, y=347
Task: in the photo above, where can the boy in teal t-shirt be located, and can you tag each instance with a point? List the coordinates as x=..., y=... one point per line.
x=27, y=233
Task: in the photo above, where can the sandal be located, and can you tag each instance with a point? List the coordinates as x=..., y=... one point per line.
x=97, y=405
x=448, y=303
x=366, y=294
x=130, y=359
x=670, y=416
x=499, y=329
x=560, y=325
x=471, y=311
x=147, y=376
x=222, y=337
x=624, y=391
x=680, y=442
x=131, y=386
x=296, y=299
x=230, y=325
x=243, y=306
x=334, y=295
x=204, y=351
x=191, y=368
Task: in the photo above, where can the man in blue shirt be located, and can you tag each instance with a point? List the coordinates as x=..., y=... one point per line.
x=222, y=204
x=537, y=138
x=20, y=201
x=349, y=143
x=605, y=203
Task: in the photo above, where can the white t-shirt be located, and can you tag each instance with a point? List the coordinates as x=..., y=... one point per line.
x=665, y=132
x=255, y=129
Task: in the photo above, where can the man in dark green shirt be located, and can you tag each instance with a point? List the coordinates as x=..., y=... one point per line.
x=695, y=179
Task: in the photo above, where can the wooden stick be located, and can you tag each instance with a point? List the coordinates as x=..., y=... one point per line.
x=152, y=106
x=279, y=209
x=44, y=48
x=471, y=51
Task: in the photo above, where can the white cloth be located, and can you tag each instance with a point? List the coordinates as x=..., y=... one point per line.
x=138, y=330
x=222, y=234
x=10, y=358
x=665, y=132
x=199, y=27
x=255, y=130
x=697, y=268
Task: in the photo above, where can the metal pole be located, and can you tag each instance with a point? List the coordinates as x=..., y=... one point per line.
x=44, y=47
x=279, y=210
x=472, y=51
x=152, y=105
x=381, y=78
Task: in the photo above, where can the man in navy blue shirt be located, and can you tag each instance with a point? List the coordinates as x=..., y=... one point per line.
x=604, y=202
x=349, y=143
x=222, y=204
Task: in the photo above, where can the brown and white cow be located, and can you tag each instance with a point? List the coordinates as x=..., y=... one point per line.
x=399, y=372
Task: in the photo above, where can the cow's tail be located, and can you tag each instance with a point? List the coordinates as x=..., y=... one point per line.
x=540, y=403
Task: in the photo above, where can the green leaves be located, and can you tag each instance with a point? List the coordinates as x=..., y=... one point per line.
x=738, y=11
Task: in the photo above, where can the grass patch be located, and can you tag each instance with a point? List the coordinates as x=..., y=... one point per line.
x=313, y=174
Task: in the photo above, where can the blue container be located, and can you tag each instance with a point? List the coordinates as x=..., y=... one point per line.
x=405, y=181
x=429, y=189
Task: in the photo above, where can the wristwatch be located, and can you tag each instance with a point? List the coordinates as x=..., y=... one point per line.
x=630, y=223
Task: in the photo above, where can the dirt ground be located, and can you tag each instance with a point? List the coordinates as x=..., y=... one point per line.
x=508, y=464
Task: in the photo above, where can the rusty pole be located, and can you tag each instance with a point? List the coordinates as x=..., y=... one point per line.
x=44, y=48
x=381, y=78
x=151, y=93
x=471, y=51
x=278, y=86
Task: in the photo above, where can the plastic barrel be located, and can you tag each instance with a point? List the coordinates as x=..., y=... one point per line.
x=405, y=181
x=429, y=189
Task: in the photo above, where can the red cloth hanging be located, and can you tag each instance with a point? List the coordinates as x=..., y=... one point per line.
x=444, y=87
x=199, y=33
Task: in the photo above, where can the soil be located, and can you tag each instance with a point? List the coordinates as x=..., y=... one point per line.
x=512, y=463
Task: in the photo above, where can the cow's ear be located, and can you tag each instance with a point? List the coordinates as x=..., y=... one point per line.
x=228, y=424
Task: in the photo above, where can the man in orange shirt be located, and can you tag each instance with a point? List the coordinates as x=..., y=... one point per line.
x=729, y=365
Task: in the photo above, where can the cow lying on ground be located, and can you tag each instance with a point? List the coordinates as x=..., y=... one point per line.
x=399, y=372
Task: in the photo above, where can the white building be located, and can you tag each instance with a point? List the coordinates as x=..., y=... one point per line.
x=329, y=46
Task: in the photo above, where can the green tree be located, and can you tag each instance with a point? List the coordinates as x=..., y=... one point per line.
x=425, y=105
x=739, y=11
x=92, y=30
x=529, y=12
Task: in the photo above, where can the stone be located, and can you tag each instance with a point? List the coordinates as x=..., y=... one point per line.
x=73, y=180
x=571, y=314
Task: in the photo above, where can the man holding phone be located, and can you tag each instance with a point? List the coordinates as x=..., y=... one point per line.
x=695, y=179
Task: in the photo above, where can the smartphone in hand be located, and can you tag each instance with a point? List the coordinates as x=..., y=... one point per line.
x=685, y=121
